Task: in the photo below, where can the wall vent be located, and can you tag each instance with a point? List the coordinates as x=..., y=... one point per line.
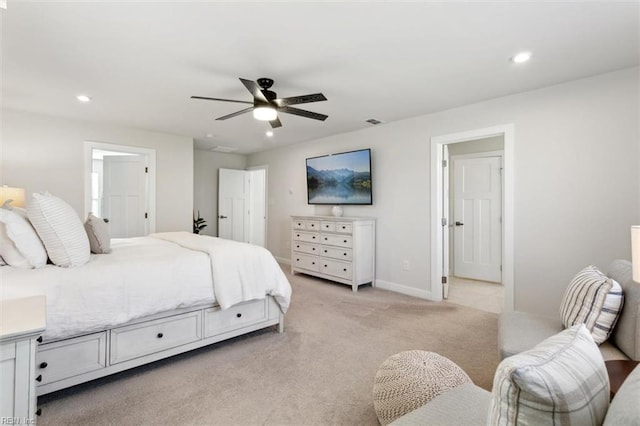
x=224, y=149
x=373, y=121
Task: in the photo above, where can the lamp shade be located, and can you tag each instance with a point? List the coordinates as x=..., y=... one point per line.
x=16, y=195
x=635, y=252
x=265, y=113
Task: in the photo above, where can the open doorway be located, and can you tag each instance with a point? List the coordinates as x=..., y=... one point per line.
x=443, y=219
x=120, y=188
x=475, y=227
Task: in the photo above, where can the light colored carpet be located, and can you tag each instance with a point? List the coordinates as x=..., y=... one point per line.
x=319, y=372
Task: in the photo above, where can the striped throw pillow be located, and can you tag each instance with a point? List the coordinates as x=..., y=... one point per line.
x=562, y=381
x=592, y=299
x=60, y=229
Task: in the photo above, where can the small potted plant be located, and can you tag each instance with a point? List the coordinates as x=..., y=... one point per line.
x=198, y=223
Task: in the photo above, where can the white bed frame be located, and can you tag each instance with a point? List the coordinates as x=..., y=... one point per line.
x=68, y=362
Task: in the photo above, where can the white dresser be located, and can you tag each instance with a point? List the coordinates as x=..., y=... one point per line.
x=340, y=249
x=22, y=321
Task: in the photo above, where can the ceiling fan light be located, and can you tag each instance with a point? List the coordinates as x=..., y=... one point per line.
x=265, y=113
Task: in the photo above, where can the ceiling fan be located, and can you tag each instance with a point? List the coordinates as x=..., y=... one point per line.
x=266, y=105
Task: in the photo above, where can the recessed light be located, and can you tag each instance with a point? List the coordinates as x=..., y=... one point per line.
x=269, y=133
x=83, y=98
x=521, y=57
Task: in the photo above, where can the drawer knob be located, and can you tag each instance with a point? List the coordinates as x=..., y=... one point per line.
x=325, y=266
x=298, y=235
x=39, y=339
x=38, y=411
x=344, y=254
x=344, y=227
x=314, y=249
x=297, y=246
x=297, y=260
x=313, y=237
x=345, y=269
x=238, y=315
x=43, y=365
x=325, y=251
x=345, y=241
x=313, y=263
x=325, y=238
x=160, y=335
x=39, y=378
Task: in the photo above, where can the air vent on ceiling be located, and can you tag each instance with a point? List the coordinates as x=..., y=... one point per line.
x=224, y=149
x=373, y=121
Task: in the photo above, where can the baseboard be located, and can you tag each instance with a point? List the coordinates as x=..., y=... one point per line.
x=283, y=260
x=409, y=291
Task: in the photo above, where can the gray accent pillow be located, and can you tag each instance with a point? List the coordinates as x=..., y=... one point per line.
x=98, y=233
x=561, y=381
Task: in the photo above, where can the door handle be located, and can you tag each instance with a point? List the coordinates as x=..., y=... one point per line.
x=459, y=223
x=222, y=216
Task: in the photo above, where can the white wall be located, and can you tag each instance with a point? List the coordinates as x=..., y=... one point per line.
x=577, y=183
x=205, y=189
x=45, y=153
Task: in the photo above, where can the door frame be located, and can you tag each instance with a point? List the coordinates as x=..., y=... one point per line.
x=451, y=196
x=436, y=195
x=148, y=153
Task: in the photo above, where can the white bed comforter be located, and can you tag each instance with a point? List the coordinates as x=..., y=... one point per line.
x=245, y=271
x=140, y=277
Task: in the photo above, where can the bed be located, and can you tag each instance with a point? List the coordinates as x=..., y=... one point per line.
x=149, y=298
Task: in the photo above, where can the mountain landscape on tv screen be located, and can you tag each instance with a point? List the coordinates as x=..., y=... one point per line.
x=338, y=186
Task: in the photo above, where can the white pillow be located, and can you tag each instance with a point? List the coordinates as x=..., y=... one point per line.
x=98, y=233
x=592, y=299
x=60, y=229
x=561, y=381
x=18, y=235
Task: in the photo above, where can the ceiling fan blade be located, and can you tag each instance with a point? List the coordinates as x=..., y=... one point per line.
x=254, y=89
x=235, y=114
x=303, y=113
x=223, y=100
x=303, y=99
x=275, y=123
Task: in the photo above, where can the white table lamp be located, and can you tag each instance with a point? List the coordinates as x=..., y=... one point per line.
x=15, y=195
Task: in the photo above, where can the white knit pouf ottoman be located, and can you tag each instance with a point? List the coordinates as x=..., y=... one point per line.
x=408, y=380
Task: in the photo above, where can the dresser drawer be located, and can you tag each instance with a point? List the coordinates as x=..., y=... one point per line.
x=307, y=262
x=336, y=268
x=218, y=321
x=313, y=225
x=299, y=224
x=336, y=252
x=336, y=240
x=328, y=226
x=134, y=341
x=309, y=237
x=67, y=358
x=306, y=248
x=344, y=227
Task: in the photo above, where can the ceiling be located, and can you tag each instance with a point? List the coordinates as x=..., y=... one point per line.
x=141, y=61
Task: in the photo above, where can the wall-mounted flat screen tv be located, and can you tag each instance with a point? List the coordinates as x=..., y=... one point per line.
x=340, y=179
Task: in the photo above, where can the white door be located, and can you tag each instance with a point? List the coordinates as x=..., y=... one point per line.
x=257, y=206
x=124, y=194
x=232, y=204
x=476, y=218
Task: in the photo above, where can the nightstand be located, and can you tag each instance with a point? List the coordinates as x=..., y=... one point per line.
x=618, y=371
x=21, y=323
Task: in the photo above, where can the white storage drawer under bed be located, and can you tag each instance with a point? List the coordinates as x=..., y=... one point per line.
x=71, y=357
x=138, y=340
x=218, y=321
